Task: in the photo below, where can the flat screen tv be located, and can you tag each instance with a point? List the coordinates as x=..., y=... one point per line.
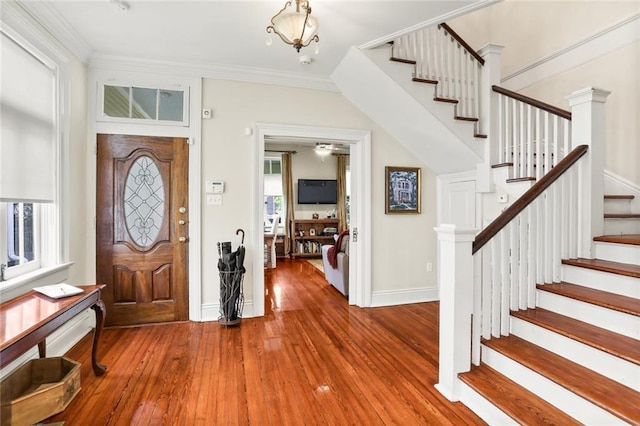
x=317, y=191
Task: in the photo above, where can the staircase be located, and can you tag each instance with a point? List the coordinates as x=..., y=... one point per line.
x=563, y=352
x=578, y=350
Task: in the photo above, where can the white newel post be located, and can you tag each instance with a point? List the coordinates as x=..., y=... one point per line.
x=490, y=76
x=456, y=304
x=588, y=128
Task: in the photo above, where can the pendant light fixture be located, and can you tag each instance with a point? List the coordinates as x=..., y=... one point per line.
x=295, y=27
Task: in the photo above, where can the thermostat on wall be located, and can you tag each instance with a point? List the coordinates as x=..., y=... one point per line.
x=214, y=187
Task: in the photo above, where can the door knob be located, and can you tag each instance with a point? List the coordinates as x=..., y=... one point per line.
x=182, y=239
x=182, y=210
x=181, y=222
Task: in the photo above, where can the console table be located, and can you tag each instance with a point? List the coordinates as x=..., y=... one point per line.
x=27, y=320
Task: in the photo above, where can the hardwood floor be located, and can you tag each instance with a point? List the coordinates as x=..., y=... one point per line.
x=311, y=360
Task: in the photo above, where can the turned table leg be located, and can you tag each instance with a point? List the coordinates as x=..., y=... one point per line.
x=98, y=369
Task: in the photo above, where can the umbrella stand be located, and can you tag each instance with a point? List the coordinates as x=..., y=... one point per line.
x=231, y=270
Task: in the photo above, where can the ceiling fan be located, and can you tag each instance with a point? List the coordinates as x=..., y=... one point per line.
x=324, y=149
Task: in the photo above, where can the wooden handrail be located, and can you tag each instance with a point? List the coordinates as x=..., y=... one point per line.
x=527, y=198
x=463, y=43
x=533, y=102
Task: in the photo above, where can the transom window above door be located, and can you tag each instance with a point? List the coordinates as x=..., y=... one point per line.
x=151, y=105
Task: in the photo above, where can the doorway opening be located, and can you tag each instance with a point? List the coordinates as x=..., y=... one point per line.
x=359, y=147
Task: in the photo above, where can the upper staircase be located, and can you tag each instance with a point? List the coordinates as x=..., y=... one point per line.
x=540, y=321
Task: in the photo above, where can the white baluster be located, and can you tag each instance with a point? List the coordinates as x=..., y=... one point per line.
x=514, y=138
x=501, y=127
x=496, y=285
x=523, y=256
x=539, y=145
x=532, y=251
x=555, y=273
x=556, y=140
x=514, y=267
x=529, y=143
x=490, y=272
x=540, y=202
x=504, y=282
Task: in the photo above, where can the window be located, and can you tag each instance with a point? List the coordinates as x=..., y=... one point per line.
x=21, y=227
x=273, y=197
x=29, y=142
x=149, y=104
x=272, y=167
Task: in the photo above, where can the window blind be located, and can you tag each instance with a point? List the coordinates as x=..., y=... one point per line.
x=27, y=126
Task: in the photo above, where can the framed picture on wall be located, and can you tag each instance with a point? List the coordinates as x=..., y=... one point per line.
x=402, y=190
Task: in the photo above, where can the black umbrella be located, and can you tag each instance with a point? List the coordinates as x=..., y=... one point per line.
x=231, y=270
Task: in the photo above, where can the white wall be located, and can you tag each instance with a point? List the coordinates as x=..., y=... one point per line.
x=532, y=31
x=401, y=244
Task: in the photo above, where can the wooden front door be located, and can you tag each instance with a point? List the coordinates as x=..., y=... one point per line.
x=142, y=228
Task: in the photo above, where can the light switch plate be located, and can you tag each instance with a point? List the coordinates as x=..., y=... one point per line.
x=214, y=199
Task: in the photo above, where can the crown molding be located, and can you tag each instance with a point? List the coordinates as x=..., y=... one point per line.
x=221, y=72
x=597, y=45
x=479, y=4
x=58, y=27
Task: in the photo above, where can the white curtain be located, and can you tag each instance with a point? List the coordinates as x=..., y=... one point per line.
x=28, y=130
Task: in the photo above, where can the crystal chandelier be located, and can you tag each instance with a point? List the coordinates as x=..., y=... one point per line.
x=297, y=28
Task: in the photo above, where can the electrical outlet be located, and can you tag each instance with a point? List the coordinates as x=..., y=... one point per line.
x=503, y=198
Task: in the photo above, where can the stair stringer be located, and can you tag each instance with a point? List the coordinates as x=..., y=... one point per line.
x=425, y=93
x=387, y=103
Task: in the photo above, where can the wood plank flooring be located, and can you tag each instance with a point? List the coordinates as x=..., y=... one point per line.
x=311, y=360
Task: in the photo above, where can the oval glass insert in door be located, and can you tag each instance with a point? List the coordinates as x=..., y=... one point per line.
x=144, y=201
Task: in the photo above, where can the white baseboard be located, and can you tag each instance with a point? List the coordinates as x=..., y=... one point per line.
x=60, y=341
x=404, y=297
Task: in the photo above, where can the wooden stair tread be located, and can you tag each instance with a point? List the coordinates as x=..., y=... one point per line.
x=521, y=179
x=424, y=80
x=618, y=197
x=499, y=165
x=517, y=402
x=606, y=266
x=613, y=301
x=607, y=341
x=622, y=215
x=461, y=118
x=448, y=100
x=633, y=239
x=602, y=391
x=480, y=135
x=403, y=61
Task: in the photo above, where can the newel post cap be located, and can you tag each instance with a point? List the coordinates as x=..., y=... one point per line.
x=586, y=95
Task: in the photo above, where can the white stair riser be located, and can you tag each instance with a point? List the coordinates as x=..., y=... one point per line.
x=483, y=408
x=621, y=226
x=625, y=253
x=615, y=368
x=565, y=400
x=618, y=322
x=617, y=206
x=613, y=283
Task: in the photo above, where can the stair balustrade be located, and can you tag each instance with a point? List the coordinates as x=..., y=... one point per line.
x=442, y=57
x=483, y=279
x=524, y=246
x=532, y=136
